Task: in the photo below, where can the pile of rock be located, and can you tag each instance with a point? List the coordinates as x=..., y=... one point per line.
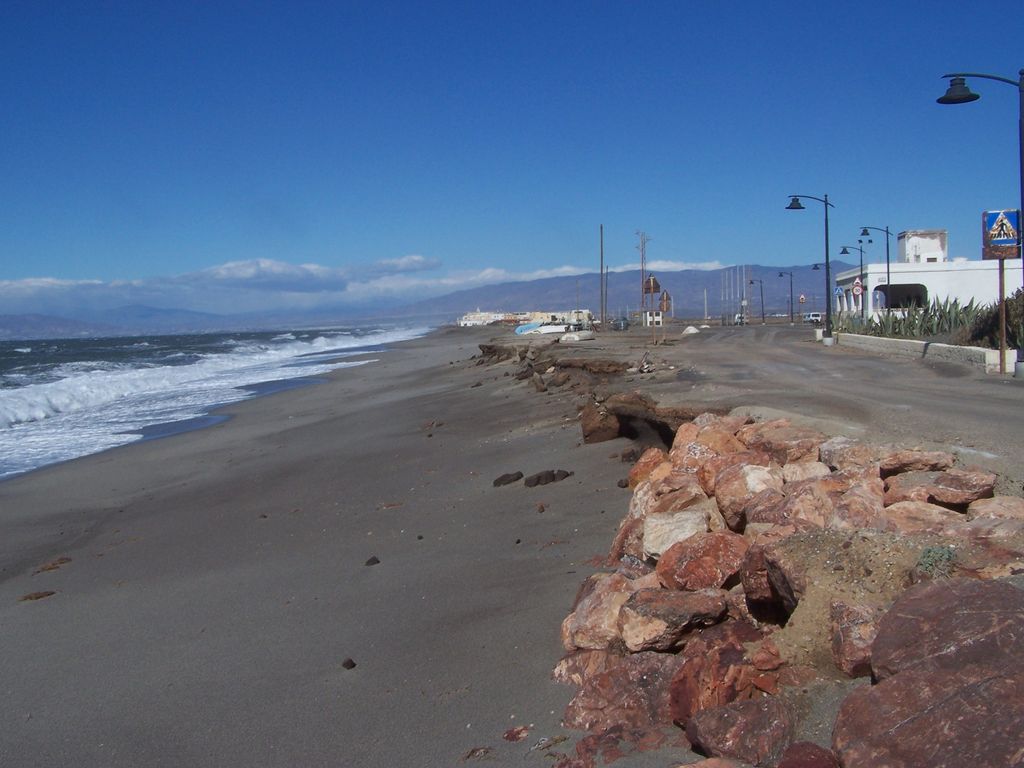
x=794, y=600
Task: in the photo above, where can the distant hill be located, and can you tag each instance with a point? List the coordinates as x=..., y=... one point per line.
x=143, y=319
x=50, y=327
x=687, y=288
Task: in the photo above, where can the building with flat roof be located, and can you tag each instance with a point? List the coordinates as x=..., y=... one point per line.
x=922, y=273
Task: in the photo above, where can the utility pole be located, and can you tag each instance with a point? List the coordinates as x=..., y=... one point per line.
x=642, y=247
x=600, y=278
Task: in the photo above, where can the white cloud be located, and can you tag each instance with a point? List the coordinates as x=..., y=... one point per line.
x=668, y=266
x=413, y=288
x=273, y=275
x=270, y=285
x=31, y=286
x=412, y=263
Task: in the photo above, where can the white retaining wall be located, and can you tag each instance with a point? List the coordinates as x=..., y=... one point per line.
x=987, y=358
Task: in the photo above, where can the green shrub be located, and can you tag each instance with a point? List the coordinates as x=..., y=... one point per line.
x=984, y=331
x=941, y=318
x=936, y=562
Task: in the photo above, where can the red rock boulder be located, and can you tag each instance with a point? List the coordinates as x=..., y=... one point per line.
x=686, y=433
x=719, y=440
x=633, y=693
x=997, y=507
x=650, y=459
x=702, y=561
x=843, y=452
x=949, y=624
x=935, y=719
x=594, y=622
x=750, y=431
x=690, y=456
x=737, y=485
x=754, y=570
x=952, y=487
x=859, y=507
x=658, y=619
x=577, y=666
x=728, y=423
x=853, y=628
x=950, y=659
x=757, y=731
x=810, y=501
x=709, y=470
x=915, y=460
x=765, y=507
x=787, y=444
x=715, y=670
x=917, y=517
x=806, y=754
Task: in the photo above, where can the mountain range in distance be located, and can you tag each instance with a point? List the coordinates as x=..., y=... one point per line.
x=721, y=289
x=693, y=291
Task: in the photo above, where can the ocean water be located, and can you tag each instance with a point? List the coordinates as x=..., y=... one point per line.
x=65, y=398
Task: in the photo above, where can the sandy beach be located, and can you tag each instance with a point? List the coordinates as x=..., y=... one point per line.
x=216, y=581
x=330, y=577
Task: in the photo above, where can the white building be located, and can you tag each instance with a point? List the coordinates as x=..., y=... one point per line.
x=652, y=317
x=922, y=246
x=921, y=273
x=471, y=319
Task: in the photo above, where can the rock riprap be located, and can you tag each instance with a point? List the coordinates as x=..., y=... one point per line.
x=763, y=564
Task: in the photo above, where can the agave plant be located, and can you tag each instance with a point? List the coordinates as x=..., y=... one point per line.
x=944, y=317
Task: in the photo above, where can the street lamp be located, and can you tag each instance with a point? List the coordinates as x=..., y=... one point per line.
x=959, y=93
x=795, y=205
x=781, y=274
x=755, y=280
x=860, y=277
x=888, y=281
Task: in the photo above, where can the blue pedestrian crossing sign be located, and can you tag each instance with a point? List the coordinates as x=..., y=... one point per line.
x=999, y=232
x=839, y=292
x=1001, y=227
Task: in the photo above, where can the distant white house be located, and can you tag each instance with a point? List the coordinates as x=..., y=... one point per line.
x=652, y=317
x=920, y=273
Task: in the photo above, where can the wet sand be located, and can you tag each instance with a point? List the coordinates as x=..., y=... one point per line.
x=217, y=579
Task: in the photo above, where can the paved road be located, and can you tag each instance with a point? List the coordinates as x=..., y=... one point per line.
x=881, y=399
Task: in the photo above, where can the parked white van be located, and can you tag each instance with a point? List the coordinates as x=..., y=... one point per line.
x=812, y=317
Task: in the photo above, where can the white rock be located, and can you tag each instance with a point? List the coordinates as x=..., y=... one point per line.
x=804, y=470
x=663, y=529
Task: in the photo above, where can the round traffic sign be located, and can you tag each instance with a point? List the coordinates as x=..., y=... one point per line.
x=857, y=290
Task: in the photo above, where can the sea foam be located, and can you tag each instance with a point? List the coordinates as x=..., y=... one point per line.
x=95, y=405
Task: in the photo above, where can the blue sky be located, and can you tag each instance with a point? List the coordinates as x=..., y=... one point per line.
x=236, y=156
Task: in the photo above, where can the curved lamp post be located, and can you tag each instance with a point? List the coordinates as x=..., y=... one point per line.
x=782, y=274
x=959, y=93
x=888, y=281
x=795, y=205
x=845, y=252
x=755, y=280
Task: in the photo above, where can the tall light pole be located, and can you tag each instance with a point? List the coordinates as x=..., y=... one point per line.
x=888, y=279
x=755, y=280
x=860, y=277
x=781, y=274
x=795, y=205
x=959, y=93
